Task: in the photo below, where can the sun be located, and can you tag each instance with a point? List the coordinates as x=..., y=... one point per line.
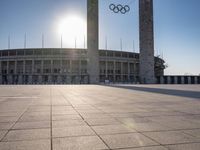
x=72, y=28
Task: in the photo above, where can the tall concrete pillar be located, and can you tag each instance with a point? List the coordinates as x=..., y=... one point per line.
x=147, y=75
x=93, y=40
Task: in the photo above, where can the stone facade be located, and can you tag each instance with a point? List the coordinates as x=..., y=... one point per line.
x=69, y=66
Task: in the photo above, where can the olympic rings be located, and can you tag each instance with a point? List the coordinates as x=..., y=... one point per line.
x=119, y=8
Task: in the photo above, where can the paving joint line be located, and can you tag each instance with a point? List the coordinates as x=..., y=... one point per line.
x=149, y=146
x=143, y=134
x=38, y=139
x=51, y=137
x=87, y=123
x=16, y=121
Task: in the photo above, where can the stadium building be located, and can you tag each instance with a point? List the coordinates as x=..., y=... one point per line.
x=69, y=66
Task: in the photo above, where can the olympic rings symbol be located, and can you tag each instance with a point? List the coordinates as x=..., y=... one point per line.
x=119, y=8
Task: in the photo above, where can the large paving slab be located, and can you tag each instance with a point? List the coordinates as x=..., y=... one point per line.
x=33, y=134
x=26, y=145
x=127, y=140
x=99, y=117
x=79, y=143
x=149, y=148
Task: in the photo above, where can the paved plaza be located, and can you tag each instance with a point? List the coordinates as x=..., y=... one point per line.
x=98, y=117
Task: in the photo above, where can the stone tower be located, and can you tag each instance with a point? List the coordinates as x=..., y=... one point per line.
x=147, y=75
x=93, y=40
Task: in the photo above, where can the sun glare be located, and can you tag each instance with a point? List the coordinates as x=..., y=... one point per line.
x=71, y=28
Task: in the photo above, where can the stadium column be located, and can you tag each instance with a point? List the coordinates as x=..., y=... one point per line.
x=182, y=80
x=122, y=72
x=196, y=80
x=93, y=40
x=189, y=80
x=15, y=69
x=135, y=78
x=147, y=75
x=175, y=80
x=129, y=72
x=0, y=73
x=169, y=80
x=114, y=73
x=33, y=66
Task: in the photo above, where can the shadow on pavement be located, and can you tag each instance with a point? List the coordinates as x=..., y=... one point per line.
x=182, y=93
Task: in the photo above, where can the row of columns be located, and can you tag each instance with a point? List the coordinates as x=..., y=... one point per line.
x=121, y=68
x=60, y=66
x=41, y=66
x=168, y=80
x=51, y=66
x=42, y=79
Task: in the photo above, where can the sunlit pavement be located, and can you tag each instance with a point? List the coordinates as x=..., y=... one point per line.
x=98, y=117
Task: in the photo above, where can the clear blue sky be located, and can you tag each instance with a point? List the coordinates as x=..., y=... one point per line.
x=177, y=27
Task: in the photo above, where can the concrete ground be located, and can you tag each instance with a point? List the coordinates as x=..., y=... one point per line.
x=97, y=117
